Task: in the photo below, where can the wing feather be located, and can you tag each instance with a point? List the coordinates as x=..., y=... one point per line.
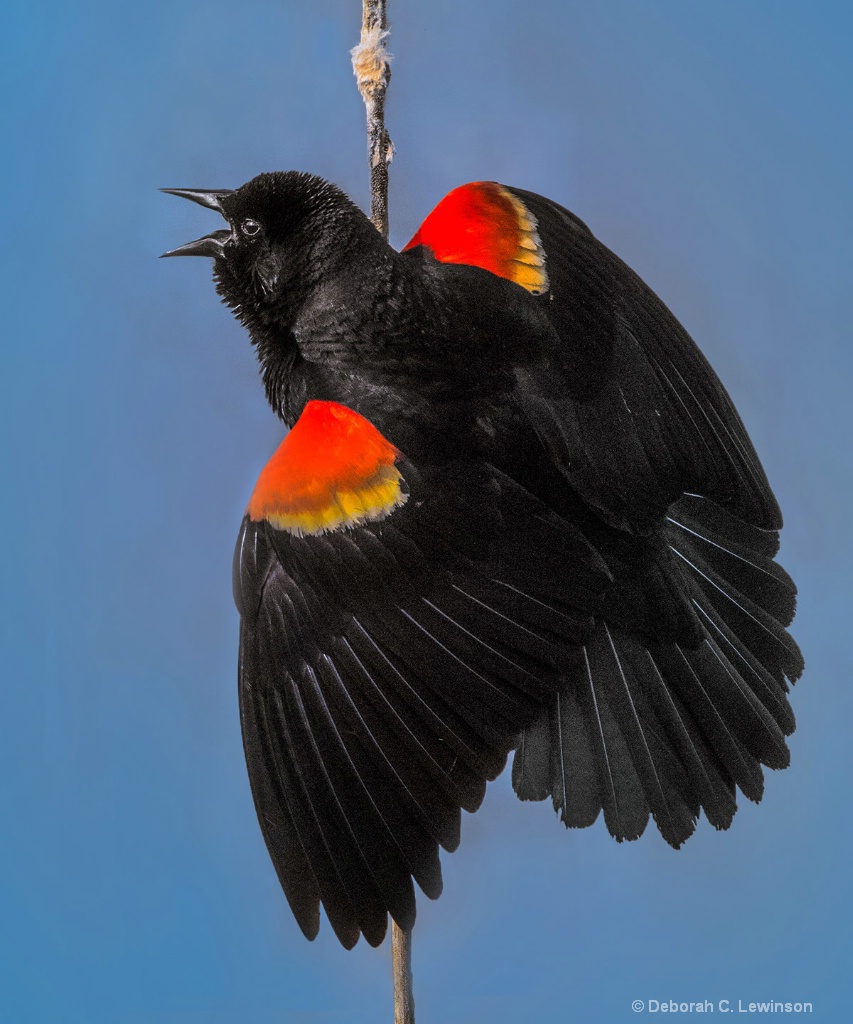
x=387, y=672
x=650, y=419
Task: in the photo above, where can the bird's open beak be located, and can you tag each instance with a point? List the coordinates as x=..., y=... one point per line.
x=211, y=198
x=209, y=245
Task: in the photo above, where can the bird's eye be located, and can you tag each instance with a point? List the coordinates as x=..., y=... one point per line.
x=250, y=227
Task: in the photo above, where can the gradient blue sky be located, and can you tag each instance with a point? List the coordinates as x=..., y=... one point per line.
x=709, y=145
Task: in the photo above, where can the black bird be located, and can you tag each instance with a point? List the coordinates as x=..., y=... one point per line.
x=516, y=511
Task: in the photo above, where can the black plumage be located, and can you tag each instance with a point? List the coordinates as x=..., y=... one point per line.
x=578, y=565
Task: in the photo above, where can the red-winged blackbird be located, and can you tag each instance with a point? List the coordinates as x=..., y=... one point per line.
x=516, y=510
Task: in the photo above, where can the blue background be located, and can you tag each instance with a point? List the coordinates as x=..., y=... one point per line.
x=709, y=145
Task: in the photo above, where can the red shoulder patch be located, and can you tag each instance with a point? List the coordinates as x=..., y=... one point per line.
x=483, y=224
x=333, y=471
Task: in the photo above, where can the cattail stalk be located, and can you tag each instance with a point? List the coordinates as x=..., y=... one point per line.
x=372, y=67
x=371, y=63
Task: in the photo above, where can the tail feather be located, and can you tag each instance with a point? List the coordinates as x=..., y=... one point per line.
x=771, y=691
x=573, y=764
x=712, y=784
x=626, y=810
x=759, y=632
x=672, y=726
x=754, y=575
x=531, y=765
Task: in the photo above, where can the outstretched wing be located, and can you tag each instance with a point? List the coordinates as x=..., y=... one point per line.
x=678, y=696
x=399, y=627
x=624, y=402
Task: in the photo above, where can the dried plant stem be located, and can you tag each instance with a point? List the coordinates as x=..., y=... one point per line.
x=401, y=954
x=371, y=64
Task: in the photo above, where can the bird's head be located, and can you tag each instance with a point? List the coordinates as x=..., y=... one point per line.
x=284, y=232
